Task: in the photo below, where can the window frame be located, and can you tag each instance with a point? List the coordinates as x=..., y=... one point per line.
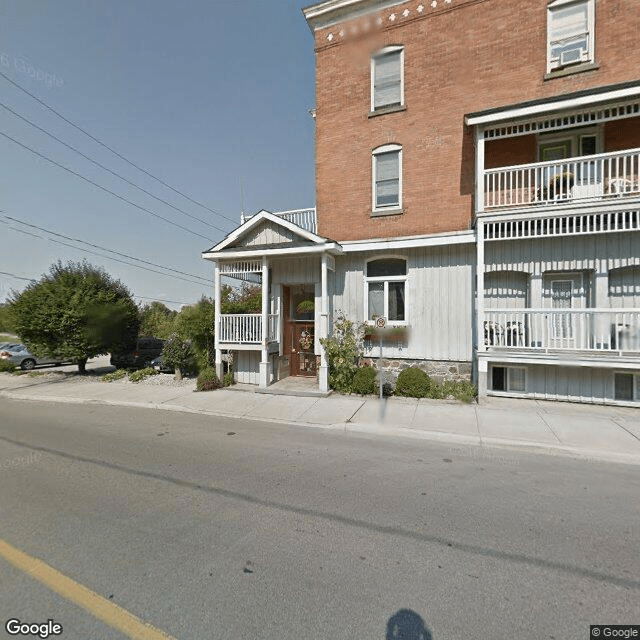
x=376, y=56
x=386, y=280
x=635, y=386
x=589, y=57
x=375, y=153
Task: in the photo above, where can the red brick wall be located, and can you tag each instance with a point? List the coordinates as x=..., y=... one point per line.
x=461, y=57
x=622, y=134
x=508, y=151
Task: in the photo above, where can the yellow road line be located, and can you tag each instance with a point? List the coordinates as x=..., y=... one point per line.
x=96, y=605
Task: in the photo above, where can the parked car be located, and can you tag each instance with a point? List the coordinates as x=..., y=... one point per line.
x=23, y=358
x=159, y=365
x=145, y=350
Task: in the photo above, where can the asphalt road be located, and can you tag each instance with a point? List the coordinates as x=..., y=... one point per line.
x=217, y=528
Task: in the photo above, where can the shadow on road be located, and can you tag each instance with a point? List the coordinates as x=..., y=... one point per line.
x=406, y=624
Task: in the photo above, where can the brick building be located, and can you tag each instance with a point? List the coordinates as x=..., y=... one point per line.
x=477, y=182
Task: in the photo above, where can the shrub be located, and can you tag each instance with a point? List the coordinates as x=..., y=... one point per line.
x=178, y=353
x=7, y=365
x=343, y=349
x=141, y=374
x=208, y=380
x=414, y=383
x=114, y=375
x=228, y=379
x=364, y=381
x=462, y=390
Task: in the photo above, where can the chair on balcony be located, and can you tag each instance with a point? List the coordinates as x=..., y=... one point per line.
x=619, y=186
x=493, y=334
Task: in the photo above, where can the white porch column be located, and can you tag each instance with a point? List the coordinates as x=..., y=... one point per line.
x=323, y=372
x=480, y=346
x=479, y=199
x=217, y=309
x=264, y=361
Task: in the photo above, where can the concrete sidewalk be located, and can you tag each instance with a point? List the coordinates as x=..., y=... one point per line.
x=588, y=431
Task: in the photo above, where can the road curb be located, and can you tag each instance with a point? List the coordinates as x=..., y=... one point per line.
x=521, y=446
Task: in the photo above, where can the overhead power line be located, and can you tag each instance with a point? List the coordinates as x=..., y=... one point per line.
x=13, y=275
x=129, y=264
x=161, y=300
x=97, y=246
x=117, y=175
x=102, y=144
x=95, y=184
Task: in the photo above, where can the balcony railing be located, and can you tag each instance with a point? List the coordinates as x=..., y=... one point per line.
x=246, y=328
x=602, y=175
x=606, y=330
x=305, y=218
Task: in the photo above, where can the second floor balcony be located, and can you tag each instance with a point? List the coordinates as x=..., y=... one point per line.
x=569, y=180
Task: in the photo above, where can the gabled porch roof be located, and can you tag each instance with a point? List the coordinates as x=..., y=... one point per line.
x=268, y=234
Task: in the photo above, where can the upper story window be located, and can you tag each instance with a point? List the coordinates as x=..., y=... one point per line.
x=385, y=289
x=570, y=33
x=387, y=177
x=387, y=78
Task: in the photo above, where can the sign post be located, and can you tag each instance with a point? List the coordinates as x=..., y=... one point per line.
x=380, y=324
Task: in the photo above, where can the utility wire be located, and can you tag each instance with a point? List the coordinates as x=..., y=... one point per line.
x=129, y=264
x=97, y=246
x=95, y=184
x=117, y=175
x=86, y=133
x=13, y=275
x=161, y=300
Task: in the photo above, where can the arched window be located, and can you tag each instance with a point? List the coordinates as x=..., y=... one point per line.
x=385, y=280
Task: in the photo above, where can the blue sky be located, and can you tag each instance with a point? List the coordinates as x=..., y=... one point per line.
x=204, y=94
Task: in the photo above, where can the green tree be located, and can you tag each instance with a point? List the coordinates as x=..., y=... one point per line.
x=196, y=323
x=178, y=353
x=6, y=322
x=156, y=319
x=75, y=311
x=248, y=299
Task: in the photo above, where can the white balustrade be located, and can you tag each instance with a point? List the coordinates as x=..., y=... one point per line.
x=246, y=328
x=603, y=175
x=607, y=330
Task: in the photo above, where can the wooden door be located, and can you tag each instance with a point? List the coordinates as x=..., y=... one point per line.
x=302, y=358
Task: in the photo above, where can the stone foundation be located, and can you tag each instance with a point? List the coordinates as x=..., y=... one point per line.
x=438, y=370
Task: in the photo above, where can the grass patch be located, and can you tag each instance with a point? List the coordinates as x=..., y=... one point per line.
x=118, y=374
x=141, y=374
x=7, y=365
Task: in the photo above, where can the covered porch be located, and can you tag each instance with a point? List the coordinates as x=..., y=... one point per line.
x=291, y=265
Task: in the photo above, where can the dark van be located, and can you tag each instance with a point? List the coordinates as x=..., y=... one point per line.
x=146, y=350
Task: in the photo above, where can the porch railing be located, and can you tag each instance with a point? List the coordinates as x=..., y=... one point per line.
x=606, y=330
x=601, y=175
x=246, y=328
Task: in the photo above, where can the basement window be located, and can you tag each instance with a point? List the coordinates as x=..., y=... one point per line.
x=627, y=386
x=508, y=379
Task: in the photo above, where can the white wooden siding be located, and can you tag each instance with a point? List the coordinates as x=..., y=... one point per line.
x=624, y=287
x=438, y=299
x=576, y=384
x=268, y=233
x=506, y=290
x=247, y=367
x=295, y=270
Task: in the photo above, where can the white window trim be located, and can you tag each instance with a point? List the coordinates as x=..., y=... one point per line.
x=508, y=369
x=378, y=54
x=591, y=23
x=376, y=152
x=386, y=280
x=635, y=385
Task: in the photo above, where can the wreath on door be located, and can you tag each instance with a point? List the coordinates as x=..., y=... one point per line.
x=306, y=341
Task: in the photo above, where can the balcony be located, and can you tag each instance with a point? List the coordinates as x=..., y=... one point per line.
x=572, y=180
x=246, y=329
x=607, y=331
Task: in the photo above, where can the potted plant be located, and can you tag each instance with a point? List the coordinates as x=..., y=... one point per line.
x=305, y=306
x=560, y=185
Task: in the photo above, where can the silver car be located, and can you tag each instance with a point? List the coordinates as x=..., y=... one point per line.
x=21, y=357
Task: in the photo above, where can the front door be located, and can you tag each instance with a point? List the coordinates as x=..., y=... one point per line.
x=564, y=292
x=299, y=335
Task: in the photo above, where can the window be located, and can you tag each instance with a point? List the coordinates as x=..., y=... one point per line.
x=570, y=33
x=385, y=289
x=508, y=378
x=387, y=78
x=627, y=386
x=387, y=177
